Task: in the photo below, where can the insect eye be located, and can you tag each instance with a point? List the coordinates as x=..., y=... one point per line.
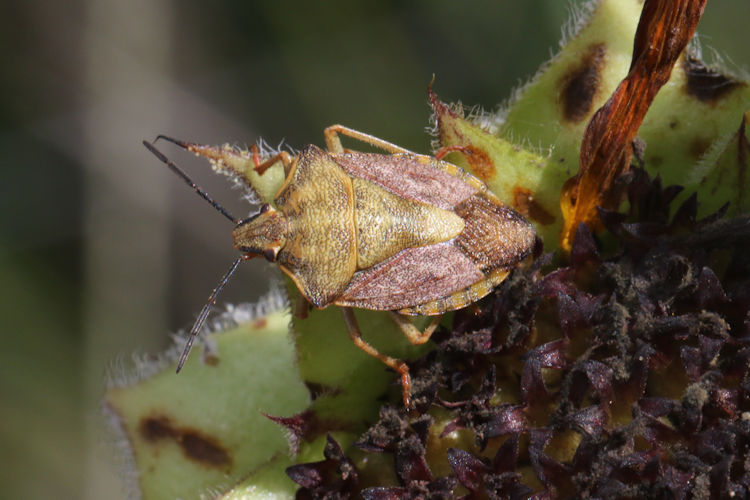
x=265, y=208
x=270, y=254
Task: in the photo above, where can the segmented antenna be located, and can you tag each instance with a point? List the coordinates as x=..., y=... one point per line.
x=211, y=298
x=206, y=309
x=182, y=175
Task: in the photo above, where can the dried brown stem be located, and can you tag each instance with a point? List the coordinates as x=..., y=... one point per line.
x=664, y=30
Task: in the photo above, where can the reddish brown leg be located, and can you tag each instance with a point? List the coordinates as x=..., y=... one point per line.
x=260, y=167
x=301, y=307
x=444, y=151
x=399, y=366
x=333, y=142
x=412, y=332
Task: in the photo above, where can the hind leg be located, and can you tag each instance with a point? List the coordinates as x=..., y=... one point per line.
x=399, y=366
x=412, y=332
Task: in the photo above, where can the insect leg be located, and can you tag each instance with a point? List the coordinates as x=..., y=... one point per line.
x=333, y=142
x=356, y=335
x=445, y=150
x=260, y=167
x=301, y=307
x=412, y=332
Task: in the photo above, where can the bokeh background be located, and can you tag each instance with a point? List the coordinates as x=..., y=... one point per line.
x=103, y=251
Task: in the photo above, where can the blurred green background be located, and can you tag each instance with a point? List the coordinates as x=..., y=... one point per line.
x=103, y=252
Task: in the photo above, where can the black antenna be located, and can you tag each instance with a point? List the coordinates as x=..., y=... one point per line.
x=177, y=170
x=206, y=309
x=211, y=298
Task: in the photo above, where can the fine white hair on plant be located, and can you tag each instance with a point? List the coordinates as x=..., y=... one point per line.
x=578, y=17
x=238, y=182
x=433, y=130
x=707, y=162
x=144, y=366
x=122, y=455
x=122, y=374
x=265, y=151
x=237, y=314
x=482, y=118
x=492, y=121
x=714, y=60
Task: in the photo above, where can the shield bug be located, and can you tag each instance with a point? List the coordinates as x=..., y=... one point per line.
x=399, y=232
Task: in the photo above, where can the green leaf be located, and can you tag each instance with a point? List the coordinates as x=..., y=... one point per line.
x=203, y=430
x=722, y=175
x=269, y=481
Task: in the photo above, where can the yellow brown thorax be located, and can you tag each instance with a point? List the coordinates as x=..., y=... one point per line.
x=317, y=199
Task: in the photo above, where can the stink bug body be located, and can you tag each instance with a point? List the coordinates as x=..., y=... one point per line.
x=399, y=232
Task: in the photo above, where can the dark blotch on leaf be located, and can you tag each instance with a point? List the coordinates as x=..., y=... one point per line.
x=481, y=163
x=707, y=84
x=204, y=450
x=195, y=445
x=156, y=428
x=580, y=85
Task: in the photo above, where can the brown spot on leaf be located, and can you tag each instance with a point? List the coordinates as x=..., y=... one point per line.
x=195, y=445
x=155, y=428
x=204, y=449
x=210, y=359
x=579, y=86
x=525, y=203
x=260, y=323
x=480, y=162
x=706, y=84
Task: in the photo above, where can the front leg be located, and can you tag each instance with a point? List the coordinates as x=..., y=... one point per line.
x=260, y=167
x=333, y=142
